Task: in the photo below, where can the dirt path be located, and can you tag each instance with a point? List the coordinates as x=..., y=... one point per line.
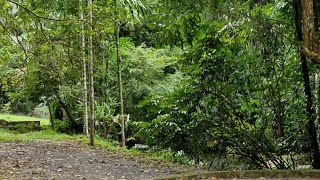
x=66, y=160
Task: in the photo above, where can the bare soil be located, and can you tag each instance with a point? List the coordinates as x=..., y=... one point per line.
x=68, y=160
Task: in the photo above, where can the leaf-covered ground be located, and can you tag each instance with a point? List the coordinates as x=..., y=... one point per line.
x=69, y=160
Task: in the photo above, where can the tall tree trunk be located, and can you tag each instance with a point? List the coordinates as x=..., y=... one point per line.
x=311, y=45
x=121, y=120
x=91, y=77
x=122, y=139
x=84, y=75
x=105, y=64
x=314, y=146
x=310, y=115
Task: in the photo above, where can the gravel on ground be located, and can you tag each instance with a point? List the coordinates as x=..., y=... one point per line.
x=69, y=160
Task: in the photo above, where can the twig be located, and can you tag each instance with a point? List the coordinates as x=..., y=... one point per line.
x=18, y=43
x=37, y=15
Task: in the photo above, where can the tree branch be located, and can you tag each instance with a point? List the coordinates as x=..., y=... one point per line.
x=37, y=15
x=313, y=56
x=18, y=41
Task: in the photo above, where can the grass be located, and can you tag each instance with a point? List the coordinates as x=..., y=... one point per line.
x=11, y=117
x=12, y=136
x=9, y=136
x=157, y=156
x=47, y=134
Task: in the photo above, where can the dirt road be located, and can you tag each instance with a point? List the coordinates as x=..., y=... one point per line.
x=67, y=160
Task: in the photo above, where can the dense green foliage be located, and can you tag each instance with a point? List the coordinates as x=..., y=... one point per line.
x=216, y=81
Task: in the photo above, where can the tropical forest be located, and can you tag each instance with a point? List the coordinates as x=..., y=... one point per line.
x=155, y=89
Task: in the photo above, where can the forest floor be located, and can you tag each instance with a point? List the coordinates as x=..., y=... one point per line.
x=47, y=159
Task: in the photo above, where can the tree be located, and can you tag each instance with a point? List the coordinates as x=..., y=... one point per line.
x=91, y=75
x=130, y=10
x=306, y=33
x=84, y=73
x=121, y=118
x=119, y=74
x=311, y=44
x=237, y=61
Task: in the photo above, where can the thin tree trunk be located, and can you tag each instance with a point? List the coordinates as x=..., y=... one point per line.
x=91, y=77
x=122, y=139
x=104, y=72
x=314, y=146
x=84, y=75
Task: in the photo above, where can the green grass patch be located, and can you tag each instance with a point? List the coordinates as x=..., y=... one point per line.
x=9, y=136
x=11, y=117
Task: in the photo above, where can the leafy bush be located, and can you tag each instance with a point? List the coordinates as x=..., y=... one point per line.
x=6, y=108
x=62, y=126
x=229, y=106
x=105, y=119
x=21, y=128
x=41, y=111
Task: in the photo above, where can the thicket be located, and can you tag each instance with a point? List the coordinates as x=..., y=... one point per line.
x=218, y=82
